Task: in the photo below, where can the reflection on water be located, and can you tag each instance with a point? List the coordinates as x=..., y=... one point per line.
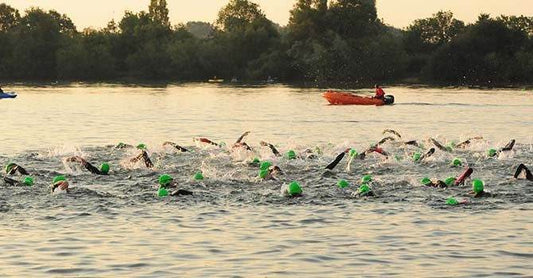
x=235, y=225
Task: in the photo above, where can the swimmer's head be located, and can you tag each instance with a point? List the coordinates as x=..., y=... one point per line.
x=426, y=181
x=417, y=156
x=457, y=162
x=291, y=154
x=263, y=173
x=366, y=179
x=198, y=176
x=478, y=186
x=165, y=180
x=364, y=188
x=353, y=153
x=256, y=160
x=294, y=189
x=449, y=181
x=162, y=192
x=104, y=168
x=452, y=201
x=8, y=167
x=492, y=152
x=265, y=165
x=58, y=179
x=141, y=146
x=343, y=184
x=28, y=181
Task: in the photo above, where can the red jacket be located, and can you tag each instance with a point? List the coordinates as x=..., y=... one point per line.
x=380, y=93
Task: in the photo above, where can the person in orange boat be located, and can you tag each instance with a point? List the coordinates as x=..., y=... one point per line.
x=380, y=94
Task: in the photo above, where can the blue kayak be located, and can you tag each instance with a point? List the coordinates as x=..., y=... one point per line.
x=8, y=95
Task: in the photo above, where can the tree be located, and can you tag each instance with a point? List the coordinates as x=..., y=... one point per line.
x=158, y=12
x=9, y=17
x=353, y=18
x=238, y=14
x=426, y=35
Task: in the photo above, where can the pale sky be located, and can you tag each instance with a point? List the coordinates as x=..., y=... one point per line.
x=399, y=13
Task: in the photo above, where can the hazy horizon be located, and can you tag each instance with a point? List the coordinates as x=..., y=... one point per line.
x=95, y=13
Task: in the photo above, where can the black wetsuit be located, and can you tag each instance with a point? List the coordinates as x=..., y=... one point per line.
x=272, y=148
x=338, y=159
x=16, y=168
x=428, y=154
x=178, y=147
x=12, y=182
x=521, y=168
x=93, y=169
x=144, y=156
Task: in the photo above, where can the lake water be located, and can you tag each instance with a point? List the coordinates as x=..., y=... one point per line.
x=237, y=225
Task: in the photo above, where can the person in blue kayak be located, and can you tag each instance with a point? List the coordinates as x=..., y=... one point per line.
x=380, y=94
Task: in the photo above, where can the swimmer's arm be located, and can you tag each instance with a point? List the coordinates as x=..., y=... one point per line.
x=509, y=146
x=92, y=169
x=242, y=137
x=147, y=160
x=338, y=159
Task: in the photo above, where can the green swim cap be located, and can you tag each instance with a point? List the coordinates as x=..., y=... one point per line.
x=222, y=144
x=164, y=180
x=452, y=201
x=457, y=162
x=9, y=167
x=294, y=189
x=353, y=153
x=263, y=173
x=417, y=156
x=291, y=154
x=425, y=181
x=265, y=165
x=366, y=179
x=318, y=150
x=343, y=184
x=28, y=181
x=58, y=179
x=449, y=181
x=141, y=146
x=256, y=160
x=104, y=168
x=449, y=148
x=162, y=192
x=364, y=188
x=477, y=186
x=121, y=145
x=398, y=158
x=492, y=152
x=198, y=176
x=452, y=144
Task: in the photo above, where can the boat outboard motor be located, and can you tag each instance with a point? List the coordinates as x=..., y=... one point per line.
x=389, y=99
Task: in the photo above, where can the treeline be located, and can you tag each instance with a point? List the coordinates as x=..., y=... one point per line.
x=327, y=42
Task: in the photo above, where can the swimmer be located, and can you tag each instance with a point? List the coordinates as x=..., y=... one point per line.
x=123, y=146
x=104, y=168
x=166, y=182
x=374, y=148
x=467, y=142
x=144, y=157
x=207, y=141
x=417, y=157
x=461, y=179
x=13, y=168
x=28, y=181
x=392, y=131
x=478, y=190
x=440, y=146
x=272, y=148
x=59, y=184
x=240, y=144
x=271, y=173
x=176, y=146
x=434, y=183
x=523, y=169
x=364, y=191
x=508, y=147
x=338, y=159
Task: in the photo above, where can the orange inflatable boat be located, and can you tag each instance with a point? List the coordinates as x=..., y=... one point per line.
x=342, y=98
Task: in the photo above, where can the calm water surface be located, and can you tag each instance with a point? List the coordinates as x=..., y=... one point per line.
x=235, y=225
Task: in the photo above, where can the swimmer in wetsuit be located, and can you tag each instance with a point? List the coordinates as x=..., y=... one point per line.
x=166, y=182
x=478, y=190
x=59, y=184
x=104, y=168
x=207, y=141
x=13, y=168
x=508, y=147
x=28, y=181
x=272, y=148
x=143, y=156
x=176, y=146
x=522, y=168
x=240, y=144
x=467, y=142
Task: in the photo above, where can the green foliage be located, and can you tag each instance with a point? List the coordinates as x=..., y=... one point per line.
x=341, y=42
